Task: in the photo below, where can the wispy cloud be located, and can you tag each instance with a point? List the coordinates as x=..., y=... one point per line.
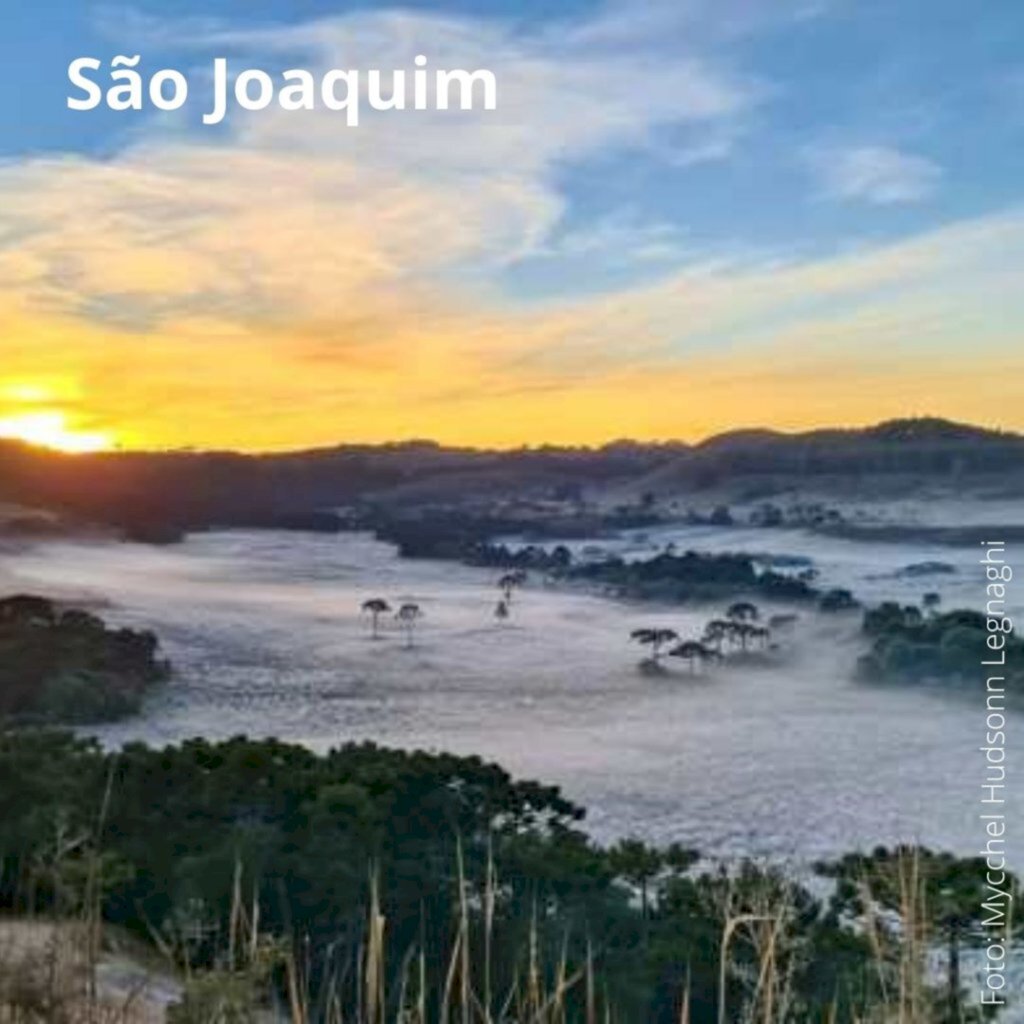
x=621, y=238
x=882, y=175
x=292, y=215
x=354, y=281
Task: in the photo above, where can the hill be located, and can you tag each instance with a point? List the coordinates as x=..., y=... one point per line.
x=159, y=494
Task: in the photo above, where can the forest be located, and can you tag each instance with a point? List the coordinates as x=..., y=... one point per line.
x=371, y=884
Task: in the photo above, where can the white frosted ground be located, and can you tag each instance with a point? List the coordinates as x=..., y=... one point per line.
x=266, y=636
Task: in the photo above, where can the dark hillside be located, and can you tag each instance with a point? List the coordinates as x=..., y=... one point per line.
x=160, y=494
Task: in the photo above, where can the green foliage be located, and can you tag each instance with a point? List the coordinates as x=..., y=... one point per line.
x=953, y=889
x=908, y=646
x=190, y=829
x=838, y=600
x=68, y=667
x=948, y=897
x=218, y=997
x=693, y=576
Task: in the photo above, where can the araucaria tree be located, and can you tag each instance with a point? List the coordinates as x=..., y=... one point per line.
x=408, y=615
x=508, y=583
x=744, y=632
x=639, y=865
x=692, y=651
x=375, y=607
x=743, y=611
x=655, y=639
x=716, y=632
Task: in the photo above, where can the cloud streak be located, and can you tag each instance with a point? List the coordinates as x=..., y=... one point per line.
x=355, y=282
x=881, y=175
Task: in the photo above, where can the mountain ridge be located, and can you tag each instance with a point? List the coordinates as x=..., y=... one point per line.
x=167, y=493
x=913, y=428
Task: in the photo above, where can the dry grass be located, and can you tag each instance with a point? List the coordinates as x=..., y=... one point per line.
x=47, y=975
x=54, y=972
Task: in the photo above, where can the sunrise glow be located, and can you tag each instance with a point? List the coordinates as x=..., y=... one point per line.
x=51, y=429
x=481, y=278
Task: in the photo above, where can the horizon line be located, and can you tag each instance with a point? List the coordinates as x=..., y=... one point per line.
x=426, y=442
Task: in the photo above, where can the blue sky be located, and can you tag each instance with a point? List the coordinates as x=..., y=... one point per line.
x=932, y=80
x=663, y=180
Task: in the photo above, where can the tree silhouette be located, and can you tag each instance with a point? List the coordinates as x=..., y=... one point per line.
x=743, y=611
x=376, y=607
x=838, y=600
x=693, y=651
x=655, y=639
x=744, y=632
x=508, y=583
x=716, y=632
x=639, y=865
x=408, y=615
x=912, y=616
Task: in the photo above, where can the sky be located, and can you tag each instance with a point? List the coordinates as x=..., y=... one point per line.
x=684, y=217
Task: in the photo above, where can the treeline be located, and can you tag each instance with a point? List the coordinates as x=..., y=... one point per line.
x=909, y=644
x=667, y=576
x=696, y=576
x=161, y=495
x=60, y=664
x=486, y=885
x=467, y=536
x=926, y=445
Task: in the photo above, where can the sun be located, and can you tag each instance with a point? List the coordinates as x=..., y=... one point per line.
x=50, y=429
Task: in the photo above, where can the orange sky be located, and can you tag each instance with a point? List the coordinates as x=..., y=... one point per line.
x=277, y=287
x=78, y=386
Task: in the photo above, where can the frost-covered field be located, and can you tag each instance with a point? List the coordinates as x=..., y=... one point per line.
x=267, y=638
